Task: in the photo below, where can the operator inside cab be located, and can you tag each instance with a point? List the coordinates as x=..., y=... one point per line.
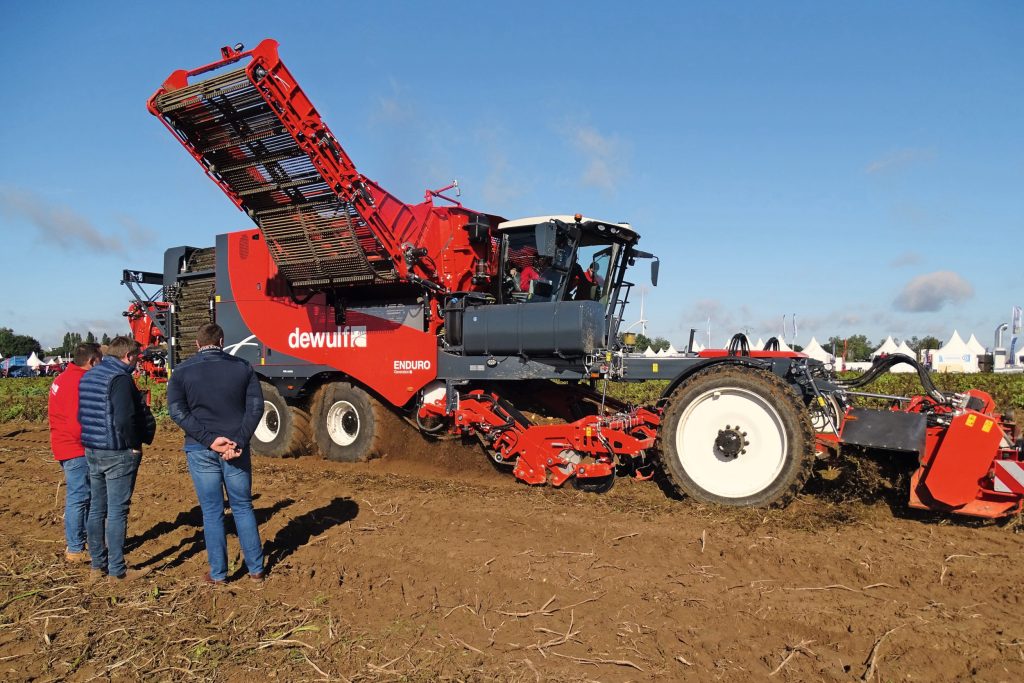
x=543, y=260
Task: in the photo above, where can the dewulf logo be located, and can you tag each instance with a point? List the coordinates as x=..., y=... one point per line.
x=342, y=338
x=407, y=367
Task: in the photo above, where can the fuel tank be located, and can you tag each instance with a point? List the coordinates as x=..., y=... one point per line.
x=557, y=329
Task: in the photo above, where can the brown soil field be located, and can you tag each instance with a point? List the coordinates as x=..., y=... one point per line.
x=428, y=564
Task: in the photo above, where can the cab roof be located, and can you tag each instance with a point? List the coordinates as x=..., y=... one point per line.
x=565, y=218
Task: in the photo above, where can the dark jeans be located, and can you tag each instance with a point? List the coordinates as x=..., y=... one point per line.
x=212, y=476
x=112, y=481
x=76, y=502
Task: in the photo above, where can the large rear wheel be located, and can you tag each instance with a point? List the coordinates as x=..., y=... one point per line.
x=283, y=430
x=346, y=422
x=736, y=436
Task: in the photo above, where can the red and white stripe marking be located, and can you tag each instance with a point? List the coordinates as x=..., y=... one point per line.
x=1009, y=476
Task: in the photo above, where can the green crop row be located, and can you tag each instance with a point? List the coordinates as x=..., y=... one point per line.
x=25, y=399
x=1006, y=390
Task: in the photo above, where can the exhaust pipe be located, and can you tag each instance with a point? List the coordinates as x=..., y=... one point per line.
x=999, y=335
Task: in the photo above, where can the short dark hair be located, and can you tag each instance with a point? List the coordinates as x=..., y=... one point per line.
x=210, y=334
x=85, y=352
x=121, y=346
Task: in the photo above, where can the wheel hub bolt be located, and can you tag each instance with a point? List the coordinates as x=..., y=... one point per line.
x=731, y=442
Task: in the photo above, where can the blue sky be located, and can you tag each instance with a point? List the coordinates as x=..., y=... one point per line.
x=860, y=166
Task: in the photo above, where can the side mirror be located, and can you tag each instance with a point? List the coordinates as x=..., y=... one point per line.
x=545, y=236
x=654, y=271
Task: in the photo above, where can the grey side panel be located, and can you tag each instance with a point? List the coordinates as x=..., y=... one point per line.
x=889, y=430
x=487, y=368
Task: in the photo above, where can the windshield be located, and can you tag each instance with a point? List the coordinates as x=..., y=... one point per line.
x=575, y=265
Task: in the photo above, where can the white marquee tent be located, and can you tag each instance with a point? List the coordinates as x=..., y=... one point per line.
x=906, y=351
x=887, y=348
x=815, y=351
x=975, y=346
x=33, y=361
x=954, y=356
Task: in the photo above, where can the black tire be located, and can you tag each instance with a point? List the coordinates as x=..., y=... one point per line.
x=284, y=430
x=747, y=436
x=347, y=423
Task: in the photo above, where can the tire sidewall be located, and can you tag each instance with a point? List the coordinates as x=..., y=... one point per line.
x=361, y=448
x=791, y=475
x=280, y=445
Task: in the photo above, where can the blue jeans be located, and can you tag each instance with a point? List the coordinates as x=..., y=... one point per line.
x=112, y=481
x=212, y=476
x=76, y=502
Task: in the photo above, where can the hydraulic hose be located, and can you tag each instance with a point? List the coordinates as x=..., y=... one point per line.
x=739, y=345
x=881, y=365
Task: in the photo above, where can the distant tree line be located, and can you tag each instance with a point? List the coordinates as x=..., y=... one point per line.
x=859, y=347
x=658, y=343
x=73, y=339
x=14, y=344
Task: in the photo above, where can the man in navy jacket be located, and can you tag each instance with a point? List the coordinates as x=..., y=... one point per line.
x=216, y=399
x=116, y=422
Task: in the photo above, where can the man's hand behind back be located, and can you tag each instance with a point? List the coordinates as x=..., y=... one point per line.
x=223, y=445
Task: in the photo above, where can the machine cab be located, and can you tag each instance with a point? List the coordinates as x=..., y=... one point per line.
x=562, y=258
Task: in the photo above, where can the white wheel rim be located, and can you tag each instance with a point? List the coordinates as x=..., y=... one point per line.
x=343, y=423
x=270, y=424
x=765, y=445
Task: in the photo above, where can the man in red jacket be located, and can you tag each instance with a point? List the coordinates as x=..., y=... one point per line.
x=66, y=443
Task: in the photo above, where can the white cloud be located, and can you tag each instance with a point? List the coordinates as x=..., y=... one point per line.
x=907, y=258
x=932, y=291
x=502, y=183
x=604, y=157
x=60, y=226
x=395, y=107
x=900, y=158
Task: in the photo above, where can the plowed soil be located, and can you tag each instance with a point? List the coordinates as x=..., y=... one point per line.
x=428, y=564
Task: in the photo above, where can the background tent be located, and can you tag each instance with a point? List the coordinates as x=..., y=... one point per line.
x=650, y=352
x=887, y=348
x=954, y=356
x=905, y=350
x=33, y=361
x=975, y=346
x=815, y=351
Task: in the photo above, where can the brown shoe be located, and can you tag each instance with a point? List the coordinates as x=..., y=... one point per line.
x=96, y=575
x=210, y=581
x=258, y=581
x=81, y=557
x=129, y=576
